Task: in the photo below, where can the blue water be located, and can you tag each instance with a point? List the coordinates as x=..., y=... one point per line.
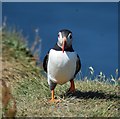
x=94, y=27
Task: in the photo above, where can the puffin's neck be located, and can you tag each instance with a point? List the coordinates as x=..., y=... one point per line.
x=58, y=48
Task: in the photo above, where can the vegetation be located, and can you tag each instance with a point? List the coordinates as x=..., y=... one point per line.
x=28, y=86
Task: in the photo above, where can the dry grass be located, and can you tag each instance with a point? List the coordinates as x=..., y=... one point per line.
x=31, y=92
x=8, y=101
x=93, y=102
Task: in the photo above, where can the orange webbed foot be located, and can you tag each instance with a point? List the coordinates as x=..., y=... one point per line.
x=54, y=101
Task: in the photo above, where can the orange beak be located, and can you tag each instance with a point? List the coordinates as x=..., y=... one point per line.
x=63, y=44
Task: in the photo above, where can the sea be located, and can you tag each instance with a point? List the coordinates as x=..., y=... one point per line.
x=94, y=26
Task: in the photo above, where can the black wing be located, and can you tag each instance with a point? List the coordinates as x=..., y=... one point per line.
x=78, y=64
x=45, y=62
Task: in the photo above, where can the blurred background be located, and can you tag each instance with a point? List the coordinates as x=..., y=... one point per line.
x=94, y=27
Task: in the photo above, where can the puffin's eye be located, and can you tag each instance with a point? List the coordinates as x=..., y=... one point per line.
x=58, y=35
x=70, y=36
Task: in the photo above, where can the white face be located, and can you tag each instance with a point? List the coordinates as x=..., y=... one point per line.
x=68, y=38
x=60, y=38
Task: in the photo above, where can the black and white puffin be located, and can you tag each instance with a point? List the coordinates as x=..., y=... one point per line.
x=62, y=63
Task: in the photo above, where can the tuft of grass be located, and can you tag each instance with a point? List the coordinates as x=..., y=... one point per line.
x=29, y=87
x=8, y=102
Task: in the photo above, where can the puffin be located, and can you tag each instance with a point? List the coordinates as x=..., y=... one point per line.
x=61, y=63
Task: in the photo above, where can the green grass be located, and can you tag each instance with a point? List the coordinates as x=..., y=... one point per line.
x=31, y=90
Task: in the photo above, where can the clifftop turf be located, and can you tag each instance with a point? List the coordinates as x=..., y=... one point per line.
x=31, y=92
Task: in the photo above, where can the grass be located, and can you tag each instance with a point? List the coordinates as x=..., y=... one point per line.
x=30, y=89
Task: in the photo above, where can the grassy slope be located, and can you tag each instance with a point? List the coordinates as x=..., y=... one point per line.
x=31, y=91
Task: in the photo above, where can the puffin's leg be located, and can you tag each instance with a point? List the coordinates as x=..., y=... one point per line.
x=52, y=87
x=52, y=96
x=72, y=86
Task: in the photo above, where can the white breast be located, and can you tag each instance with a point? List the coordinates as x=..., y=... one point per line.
x=61, y=66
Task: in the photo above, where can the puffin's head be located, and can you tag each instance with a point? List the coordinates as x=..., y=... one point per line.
x=64, y=39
